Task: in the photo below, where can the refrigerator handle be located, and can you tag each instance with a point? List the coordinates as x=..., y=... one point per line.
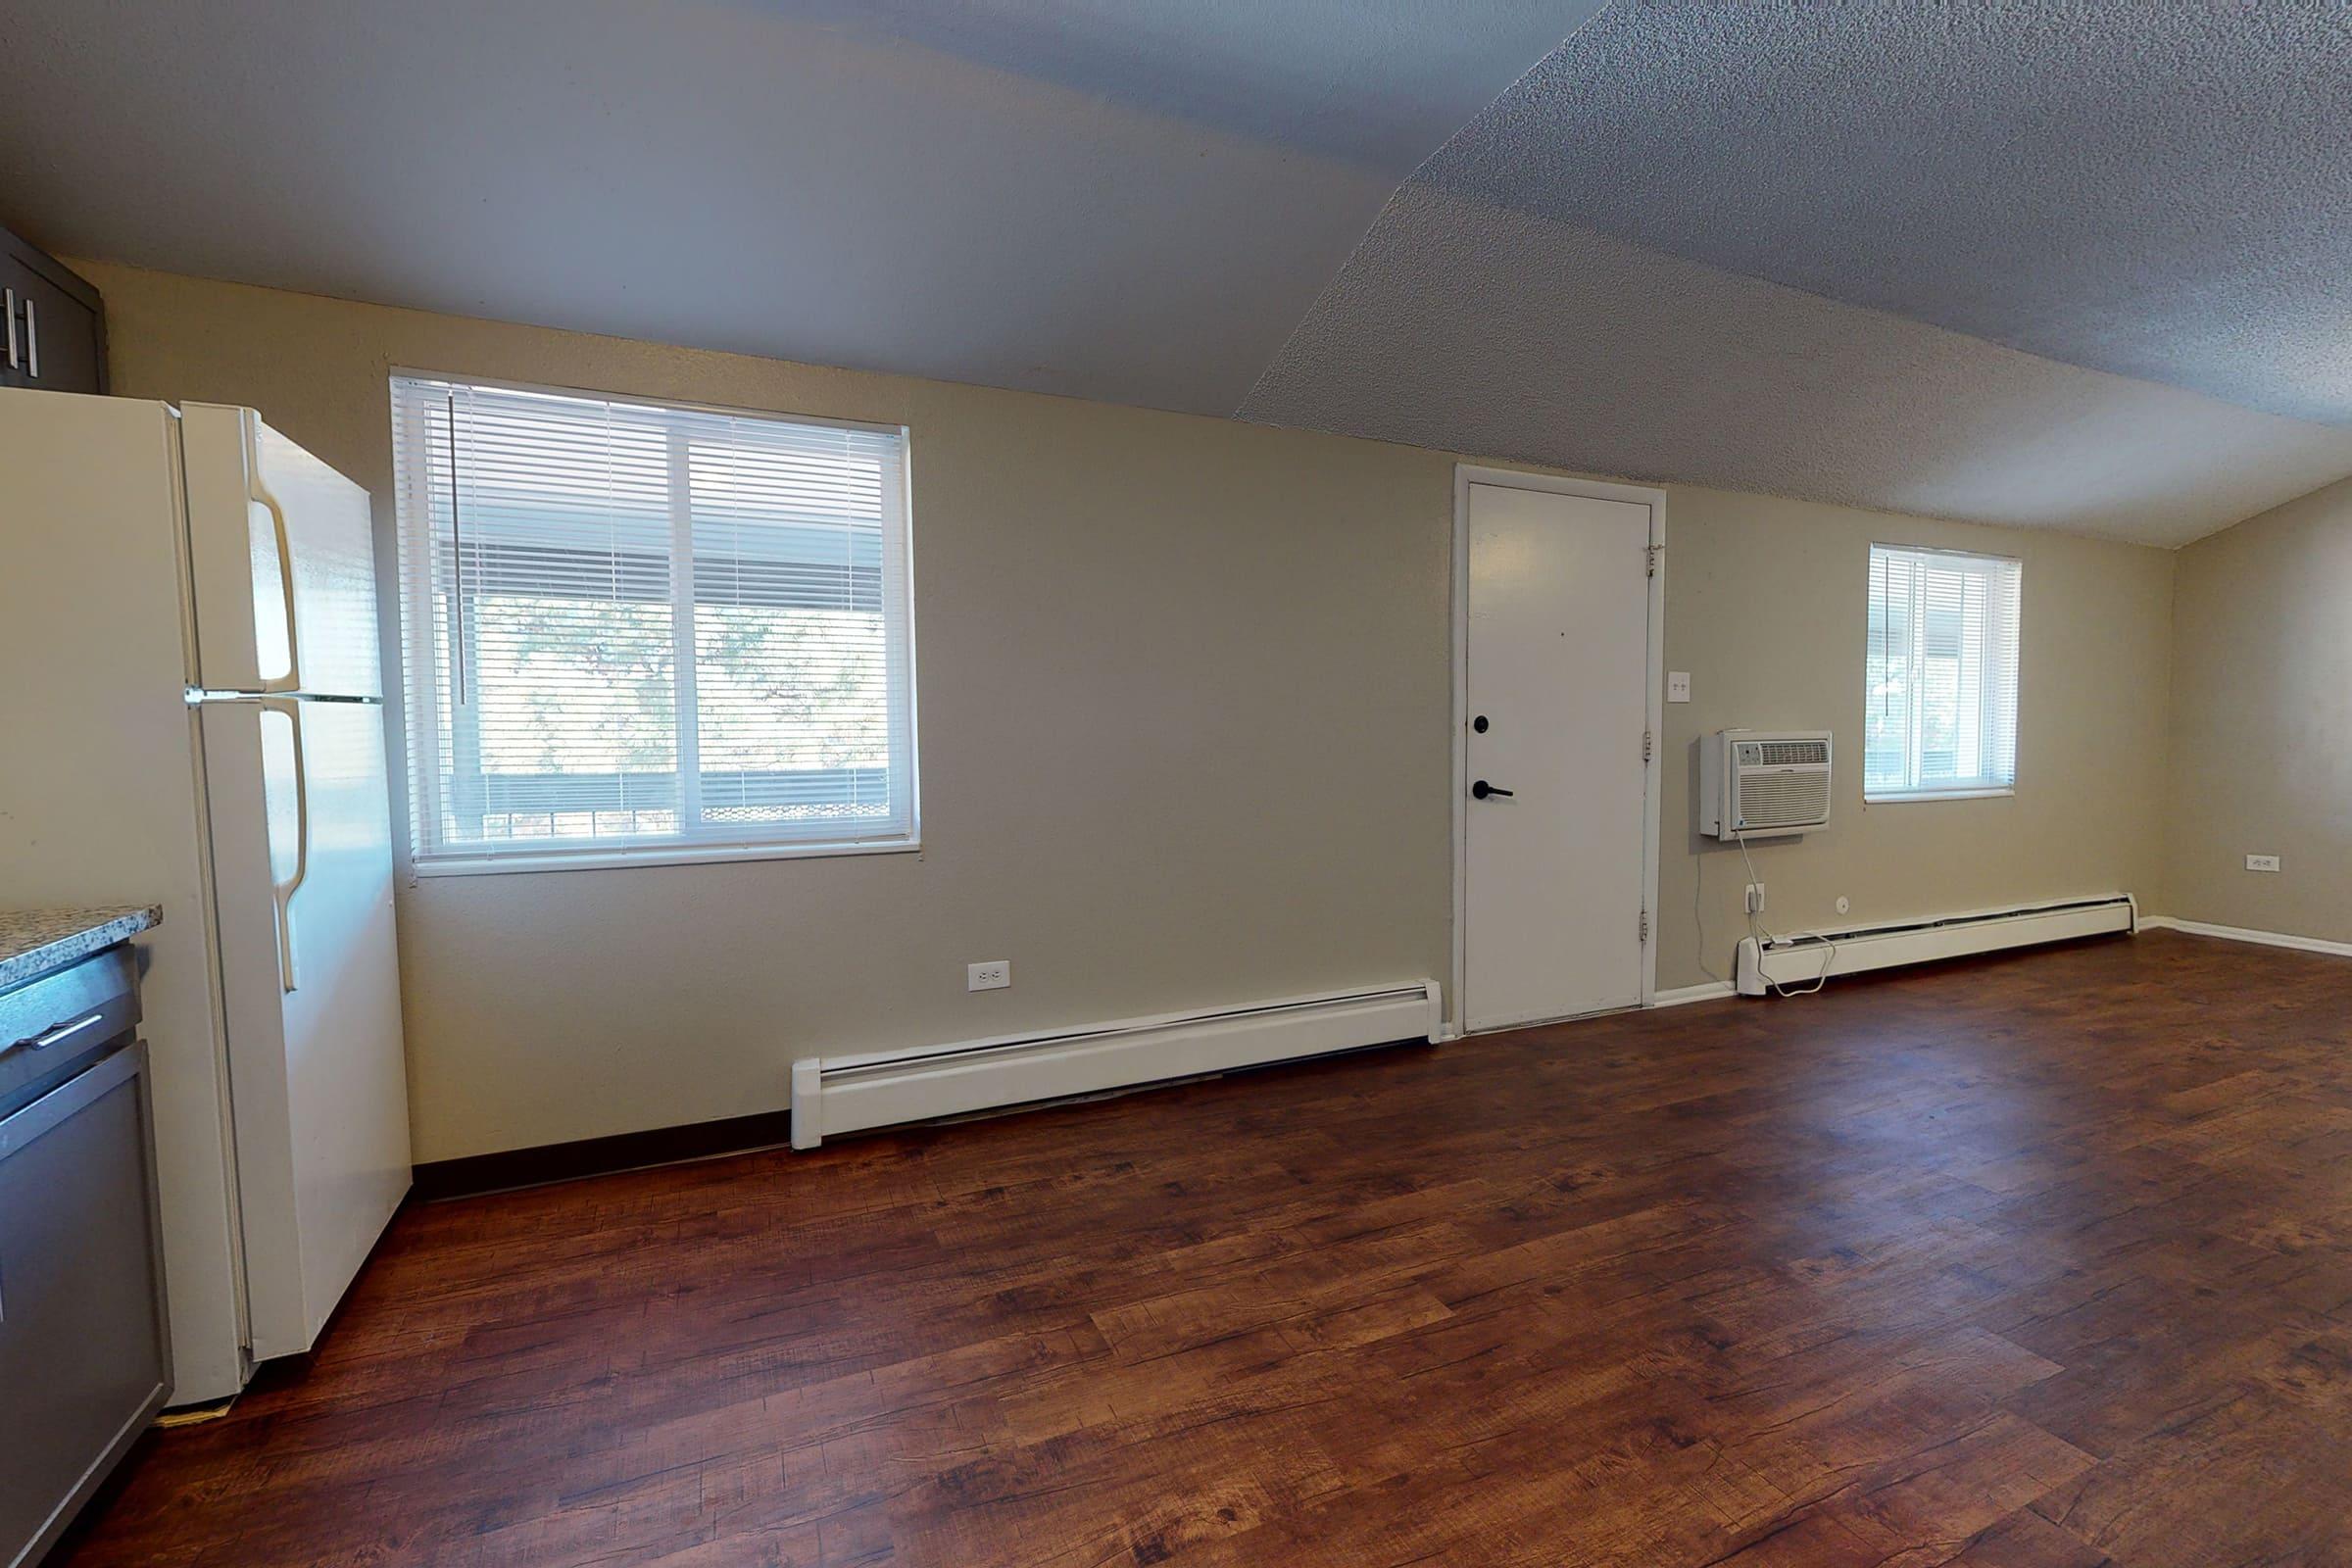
x=291, y=681
x=284, y=891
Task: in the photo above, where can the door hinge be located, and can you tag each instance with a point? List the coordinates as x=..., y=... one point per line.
x=1647, y=740
x=1645, y=925
x=1651, y=555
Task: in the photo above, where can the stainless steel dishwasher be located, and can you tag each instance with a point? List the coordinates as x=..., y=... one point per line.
x=84, y=1360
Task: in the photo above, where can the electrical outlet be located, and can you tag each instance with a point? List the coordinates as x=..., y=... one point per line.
x=993, y=975
x=1677, y=685
x=1755, y=897
x=2262, y=863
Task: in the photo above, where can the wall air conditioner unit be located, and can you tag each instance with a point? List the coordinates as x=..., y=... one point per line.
x=1763, y=781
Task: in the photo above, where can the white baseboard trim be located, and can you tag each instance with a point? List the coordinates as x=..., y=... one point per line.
x=2237, y=933
x=888, y=1087
x=1681, y=996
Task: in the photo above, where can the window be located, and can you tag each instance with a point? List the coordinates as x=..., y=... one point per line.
x=635, y=632
x=1939, y=714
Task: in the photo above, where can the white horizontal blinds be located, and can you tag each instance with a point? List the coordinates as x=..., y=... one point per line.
x=799, y=652
x=1940, y=677
x=1886, y=678
x=631, y=627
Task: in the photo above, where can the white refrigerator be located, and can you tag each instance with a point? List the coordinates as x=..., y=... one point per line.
x=191, y=716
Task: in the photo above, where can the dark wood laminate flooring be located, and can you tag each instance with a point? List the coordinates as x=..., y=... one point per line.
x=2035, y=1262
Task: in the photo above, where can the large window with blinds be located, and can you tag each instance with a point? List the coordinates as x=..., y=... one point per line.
x=641, y=632
x=1939, y=715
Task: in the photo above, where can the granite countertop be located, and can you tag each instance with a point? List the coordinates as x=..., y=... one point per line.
x=35, y=941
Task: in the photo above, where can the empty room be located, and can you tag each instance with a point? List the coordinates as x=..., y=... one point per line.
x=1071, y=783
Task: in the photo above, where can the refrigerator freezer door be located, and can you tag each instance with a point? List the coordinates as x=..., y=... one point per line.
x=302, y=864
x=98, y=789
x=283, y=558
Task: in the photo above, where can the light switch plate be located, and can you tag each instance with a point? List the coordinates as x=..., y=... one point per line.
x=2262, y=863
x=1677, y=685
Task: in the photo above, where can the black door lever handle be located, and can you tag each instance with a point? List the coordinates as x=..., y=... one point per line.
x=1482, y=789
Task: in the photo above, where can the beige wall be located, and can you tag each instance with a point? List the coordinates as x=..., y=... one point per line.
x=1767, y=607
x=1182, y=687
x=1185, y=719
x=2262, y=723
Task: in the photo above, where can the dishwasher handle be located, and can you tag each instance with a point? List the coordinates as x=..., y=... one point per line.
x=58, y=1034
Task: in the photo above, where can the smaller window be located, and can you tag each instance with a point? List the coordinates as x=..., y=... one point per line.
x=1939, y=683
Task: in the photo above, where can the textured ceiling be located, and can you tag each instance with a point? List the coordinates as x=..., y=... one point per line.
x=2073, y=263
x=1484, y=329
x=2162, y=188
x=1724, y=242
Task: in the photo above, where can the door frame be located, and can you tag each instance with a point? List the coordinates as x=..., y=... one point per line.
x=1466, y=474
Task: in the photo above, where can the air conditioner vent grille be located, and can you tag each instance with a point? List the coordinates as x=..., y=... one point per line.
x=1783, y=800
x=1788, y=753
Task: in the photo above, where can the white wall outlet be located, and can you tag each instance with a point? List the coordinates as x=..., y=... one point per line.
x=1846, y=906
x=993, y=975
x=2262, y=863
x=1755, y=897
x=1677, y=685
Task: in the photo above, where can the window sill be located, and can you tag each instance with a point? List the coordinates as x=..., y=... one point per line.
x=1912, y=797
x=666, y=855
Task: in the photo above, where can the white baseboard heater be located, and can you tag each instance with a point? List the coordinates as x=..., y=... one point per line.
x=883, y=1089
x=1803, y=961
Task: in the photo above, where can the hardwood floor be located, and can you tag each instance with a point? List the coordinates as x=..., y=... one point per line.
x=2038, y=1262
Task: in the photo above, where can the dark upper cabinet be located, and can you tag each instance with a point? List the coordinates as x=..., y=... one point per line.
x=55, y=335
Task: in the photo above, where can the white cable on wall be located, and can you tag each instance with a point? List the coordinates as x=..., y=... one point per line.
x=1761, y=934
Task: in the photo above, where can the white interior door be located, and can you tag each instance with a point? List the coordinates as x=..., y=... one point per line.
x=1556, y=686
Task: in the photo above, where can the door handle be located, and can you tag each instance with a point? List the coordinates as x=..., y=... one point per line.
x=8, y=297
x=291, y=681
x=1482, y=789
x=284, y=891
x=32, y=342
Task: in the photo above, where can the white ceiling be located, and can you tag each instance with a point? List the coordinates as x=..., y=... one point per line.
x=1039, y=195
x=2073, y=264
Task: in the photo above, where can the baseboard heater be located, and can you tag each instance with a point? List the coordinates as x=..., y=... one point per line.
x=883, y=1089
x=1801, y=961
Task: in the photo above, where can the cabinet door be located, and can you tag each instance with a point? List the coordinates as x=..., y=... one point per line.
x=83, y=1360
x=56, y=328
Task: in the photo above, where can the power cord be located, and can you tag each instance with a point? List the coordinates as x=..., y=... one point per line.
x=1698, y=913
x=1762, y=933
